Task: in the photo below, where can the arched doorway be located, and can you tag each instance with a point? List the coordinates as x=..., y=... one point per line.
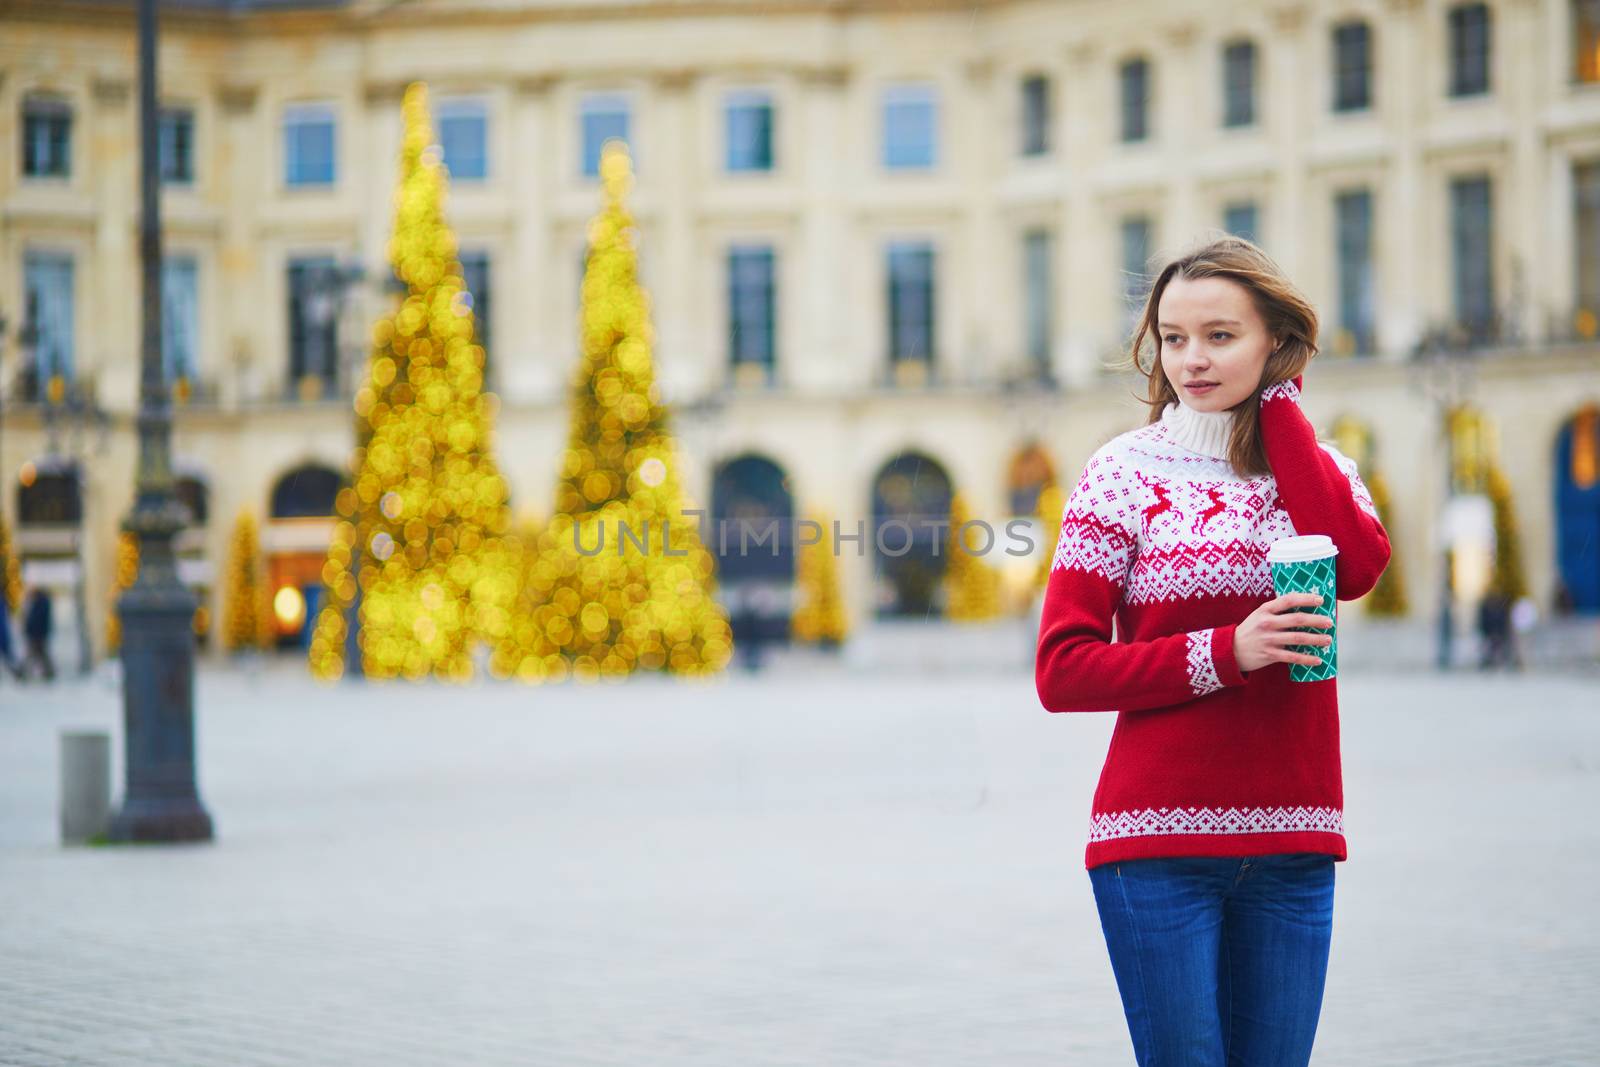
x=910, y=527
x=300, y=521
x=50, y=546
x=1578, y=512
x=752, y=539
x=1031, y=473
x=1033, y=496
x=307, y=491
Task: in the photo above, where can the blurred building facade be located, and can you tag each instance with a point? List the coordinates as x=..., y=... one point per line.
x=892, y=249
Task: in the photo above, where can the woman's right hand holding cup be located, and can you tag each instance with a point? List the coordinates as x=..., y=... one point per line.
x=1267, y=633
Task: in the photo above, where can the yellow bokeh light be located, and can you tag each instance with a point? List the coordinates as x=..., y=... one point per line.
x=289, y=607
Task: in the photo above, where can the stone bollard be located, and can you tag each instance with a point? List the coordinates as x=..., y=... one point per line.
x=85, y=784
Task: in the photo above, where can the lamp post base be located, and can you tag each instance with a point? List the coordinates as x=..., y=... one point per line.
x=161, y=801
x=171, y=819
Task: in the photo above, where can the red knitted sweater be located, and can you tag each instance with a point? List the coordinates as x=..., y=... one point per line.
x=1161, y=535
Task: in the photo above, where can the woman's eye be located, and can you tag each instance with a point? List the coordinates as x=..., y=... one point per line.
x=1222, y=333
x=1171, y=338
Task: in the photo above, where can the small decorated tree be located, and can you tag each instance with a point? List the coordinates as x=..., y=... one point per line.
x=245, y=612
x=127, y=570
x=1052, y=506
x=819, y=616
x=1388, y=597
x=1509, y=578
x=10, y=570
x=973, y=586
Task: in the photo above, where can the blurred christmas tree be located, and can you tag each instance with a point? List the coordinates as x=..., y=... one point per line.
x=127, y=569
x=1051, y=510
x=973, y=587
x=1388, y=597
x=245, y=611
x=424, y=529
x=10, y=570
x=626, y=600
x=819, y=616
x=1508, y=578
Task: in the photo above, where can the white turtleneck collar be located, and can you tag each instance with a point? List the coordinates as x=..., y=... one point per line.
x=1205, y=432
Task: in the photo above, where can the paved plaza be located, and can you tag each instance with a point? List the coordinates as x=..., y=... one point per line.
x=809, y=867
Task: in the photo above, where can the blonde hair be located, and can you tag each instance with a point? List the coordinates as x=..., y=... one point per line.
x=1288, y=315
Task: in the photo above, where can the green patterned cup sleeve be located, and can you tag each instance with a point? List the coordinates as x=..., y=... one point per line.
x=1311, y=576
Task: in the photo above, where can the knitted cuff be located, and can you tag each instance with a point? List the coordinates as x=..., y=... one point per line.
x=1289, y=390
x=1227, y=666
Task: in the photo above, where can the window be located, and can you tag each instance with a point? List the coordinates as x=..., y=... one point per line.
x=475, y=272
x=1037, y=277
x=56, y=495
x=175, y=145
x=1586, y=209
x=911, y=301
x=1035, y=115
x=464, y=139
x=910, y=126
x=1135, y=262
x=308, y=145
x=604, y=116
x=180, y=318
x=1586, y=40
x=1469, y=49
x=1239, y=84
x=748, y=124
x=46, y=138
x=313, y=322
x=1239, y=219
x=751, y=305
x=48, y=287
x=1353, y=243
x=1352, y=66
x=1472, y=248
x=1135, y=80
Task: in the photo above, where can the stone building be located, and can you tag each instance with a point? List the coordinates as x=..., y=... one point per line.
x=891, y=247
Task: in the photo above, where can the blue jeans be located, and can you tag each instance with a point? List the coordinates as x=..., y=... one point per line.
x=1220, y=961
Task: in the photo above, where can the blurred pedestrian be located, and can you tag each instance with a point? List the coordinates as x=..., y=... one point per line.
x=1447, y=623
x=1494, y=626
x=36, y=628
x=8, y=648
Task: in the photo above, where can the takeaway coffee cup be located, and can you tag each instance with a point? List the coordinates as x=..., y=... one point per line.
x=1305, y=565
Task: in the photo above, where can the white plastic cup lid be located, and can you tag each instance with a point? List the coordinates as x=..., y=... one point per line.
x=1298, y=549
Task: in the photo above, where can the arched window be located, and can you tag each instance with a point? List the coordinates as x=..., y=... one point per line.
x=50, y=493
x=910, y=528
x=196, y=496
x=752, y=540
x=307, y=491
x=1577, y=476
x=1031, y=473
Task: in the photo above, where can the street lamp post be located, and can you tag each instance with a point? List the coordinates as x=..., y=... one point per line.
x=160, y=802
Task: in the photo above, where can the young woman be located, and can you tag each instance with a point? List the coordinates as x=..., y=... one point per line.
x=1219, y=812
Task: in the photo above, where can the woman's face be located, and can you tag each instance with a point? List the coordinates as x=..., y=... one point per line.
x=1211, y=333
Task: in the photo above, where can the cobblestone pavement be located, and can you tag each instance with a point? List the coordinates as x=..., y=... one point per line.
x=809, y=868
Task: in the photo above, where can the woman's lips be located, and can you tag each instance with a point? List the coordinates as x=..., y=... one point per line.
x=1197, y=387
